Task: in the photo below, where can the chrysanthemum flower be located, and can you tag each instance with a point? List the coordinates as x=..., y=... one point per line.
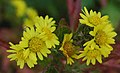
x=47, y=26
x=103, y=36
x=100, y=45
x=20, y=6
x=91, y=55
x=32, y=40
x=22, y=56
x=92, y=19
x=68, y=48
x=31, y=13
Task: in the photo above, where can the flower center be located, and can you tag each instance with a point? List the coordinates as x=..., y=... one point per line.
x=100, y=37
x=93, y=54
x=35, y=44
x=68, y=46
x=95, y=20
x=20, y=55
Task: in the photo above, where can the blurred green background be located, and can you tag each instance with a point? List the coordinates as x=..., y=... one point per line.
x=58, y=9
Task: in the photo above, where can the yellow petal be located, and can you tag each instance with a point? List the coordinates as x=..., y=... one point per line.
x=40, y=56
x=11, y=51
x=21, y=64
x=112, y=34
x=85, y=58
x=29, y=63
x=92, y=33
x=88, y=61
x=99, y=59
x=82, y=21
x=69, y=61
x=61, y=49
x=105, y=18
x=52, y=29
x=32, y=56
x=86, y=11
x=91, y=12
x=83, y=16
x=93, y=61
x=110, y=41
x=99, y=14
x=26, y=53
x=11, y=55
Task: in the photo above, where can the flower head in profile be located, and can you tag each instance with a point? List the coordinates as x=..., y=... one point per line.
x=20, y=6
x=22, y=56
x=32, y=40
x=31, y=14
x=92, y=19
x=68, y=48
x=47, y=26
x=91, y=55
x=104, y=36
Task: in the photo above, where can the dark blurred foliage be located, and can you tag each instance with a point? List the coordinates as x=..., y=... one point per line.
x=55, y=8
x=11, y=29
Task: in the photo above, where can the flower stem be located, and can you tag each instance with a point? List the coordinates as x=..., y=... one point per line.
x=74, y=8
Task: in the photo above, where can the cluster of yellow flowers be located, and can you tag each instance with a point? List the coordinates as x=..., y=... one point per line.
x=23, y=10
x=36, y=42
x=103, y=35
x=39, y=38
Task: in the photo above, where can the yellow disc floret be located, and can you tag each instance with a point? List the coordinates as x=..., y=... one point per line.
x=100, y=37
x=95, y=20
x=93, y=54
x=20, y=55
x=68, y=47
x=35, y=44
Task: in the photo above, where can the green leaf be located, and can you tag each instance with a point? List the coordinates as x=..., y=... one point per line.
x=62, y=29
x=82, y=35
x=44, y=62
x=76, y=68
x=51, y=69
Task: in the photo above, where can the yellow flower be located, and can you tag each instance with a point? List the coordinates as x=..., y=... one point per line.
x=31, y=13
x=103, y=36
x=92, y=19
x=68, y=48
x=22, y=56
x=20, y=6
x=47, y=26
x=91, y=55
x=32, y=40
x=100, y=45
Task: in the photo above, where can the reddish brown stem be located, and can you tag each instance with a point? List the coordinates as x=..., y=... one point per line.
x=74, y=8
